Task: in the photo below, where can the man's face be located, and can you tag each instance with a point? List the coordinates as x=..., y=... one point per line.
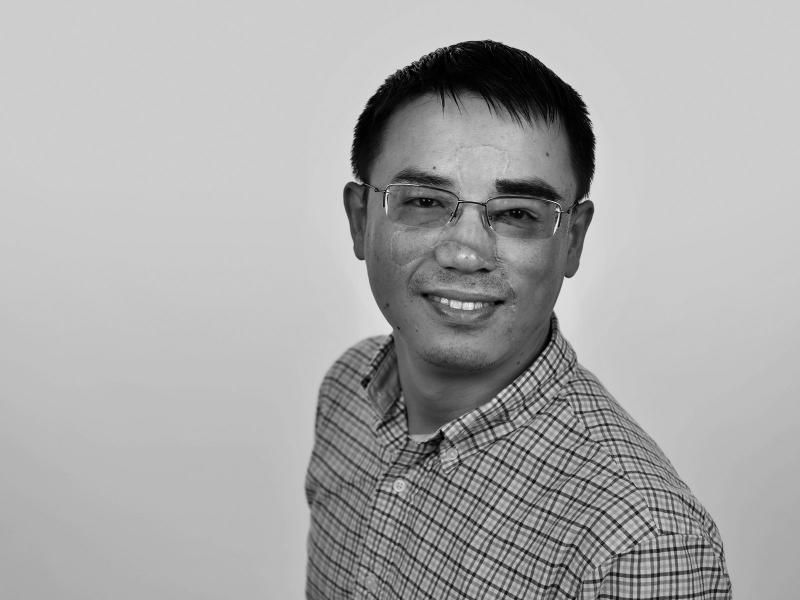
x=510, y=284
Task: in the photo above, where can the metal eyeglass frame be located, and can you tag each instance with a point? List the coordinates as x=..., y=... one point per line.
x=459, y=202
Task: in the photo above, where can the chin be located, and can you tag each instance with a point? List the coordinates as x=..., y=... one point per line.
x=459, y=358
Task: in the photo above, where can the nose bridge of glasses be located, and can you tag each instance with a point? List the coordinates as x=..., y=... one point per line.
x=480, y=208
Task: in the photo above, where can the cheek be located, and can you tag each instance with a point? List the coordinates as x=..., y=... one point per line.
x=391, y=258
x=525, y=267
x=537, y=264
x=535, y=279
x=401, y=251
x=395, y=248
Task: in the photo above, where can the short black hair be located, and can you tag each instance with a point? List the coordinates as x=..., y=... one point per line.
x=505, y=77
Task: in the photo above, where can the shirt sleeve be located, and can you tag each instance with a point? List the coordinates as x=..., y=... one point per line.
x=667, y=566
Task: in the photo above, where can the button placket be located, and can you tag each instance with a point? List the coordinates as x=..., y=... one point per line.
x=400, y=487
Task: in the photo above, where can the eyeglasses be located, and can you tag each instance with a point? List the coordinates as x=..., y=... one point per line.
x=508, y=216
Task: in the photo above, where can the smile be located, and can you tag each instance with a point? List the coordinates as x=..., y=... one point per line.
x=460, y=304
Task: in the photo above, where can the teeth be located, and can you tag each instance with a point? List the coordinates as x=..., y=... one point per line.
x=459, y=305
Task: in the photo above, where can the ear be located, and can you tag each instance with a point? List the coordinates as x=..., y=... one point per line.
x=579, y=223
x=355, y=205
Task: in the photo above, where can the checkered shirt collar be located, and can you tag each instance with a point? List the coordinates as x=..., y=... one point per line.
x=513, y=406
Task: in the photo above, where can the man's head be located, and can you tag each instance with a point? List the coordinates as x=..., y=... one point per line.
x=479, y=120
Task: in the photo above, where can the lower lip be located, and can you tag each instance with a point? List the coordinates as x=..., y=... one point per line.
x=460, y=316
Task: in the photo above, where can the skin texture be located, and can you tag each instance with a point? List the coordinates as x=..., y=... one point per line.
x=449, y=365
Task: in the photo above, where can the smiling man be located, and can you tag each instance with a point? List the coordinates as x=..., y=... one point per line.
x=468, y=454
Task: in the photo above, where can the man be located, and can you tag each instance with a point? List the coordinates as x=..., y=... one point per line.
x=469, y=455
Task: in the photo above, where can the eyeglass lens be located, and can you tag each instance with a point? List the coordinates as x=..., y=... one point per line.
x=509, y=216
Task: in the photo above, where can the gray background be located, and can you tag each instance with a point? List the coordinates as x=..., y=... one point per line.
x=176, y=270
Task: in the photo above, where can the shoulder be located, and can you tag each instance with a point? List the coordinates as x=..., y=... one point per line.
x=344, y=379
x=351, y=367
x=636, y=461
x=342, y=417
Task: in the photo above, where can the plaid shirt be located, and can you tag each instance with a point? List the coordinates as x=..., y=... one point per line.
x=549, y=490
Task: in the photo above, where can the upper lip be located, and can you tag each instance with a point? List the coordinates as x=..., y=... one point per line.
x=463, y=296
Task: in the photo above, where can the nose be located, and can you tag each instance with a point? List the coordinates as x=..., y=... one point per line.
x=467, y=244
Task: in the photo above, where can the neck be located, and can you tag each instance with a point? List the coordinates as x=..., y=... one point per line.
x=436, y=395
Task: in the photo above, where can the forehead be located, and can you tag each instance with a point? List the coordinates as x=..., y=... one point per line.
x=472, y=145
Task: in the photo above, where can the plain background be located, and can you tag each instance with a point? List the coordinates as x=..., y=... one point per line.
x=176, y=272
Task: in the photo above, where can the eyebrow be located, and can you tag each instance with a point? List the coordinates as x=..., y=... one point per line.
x=526, y=186
x=529, y=186
x=413, y=175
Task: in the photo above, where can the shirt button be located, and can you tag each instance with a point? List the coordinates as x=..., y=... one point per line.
x=371, y=583
x=400, y=486
x=451, y=454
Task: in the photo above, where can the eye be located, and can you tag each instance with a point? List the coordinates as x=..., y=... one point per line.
x=423, y=202
x=518, y=214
